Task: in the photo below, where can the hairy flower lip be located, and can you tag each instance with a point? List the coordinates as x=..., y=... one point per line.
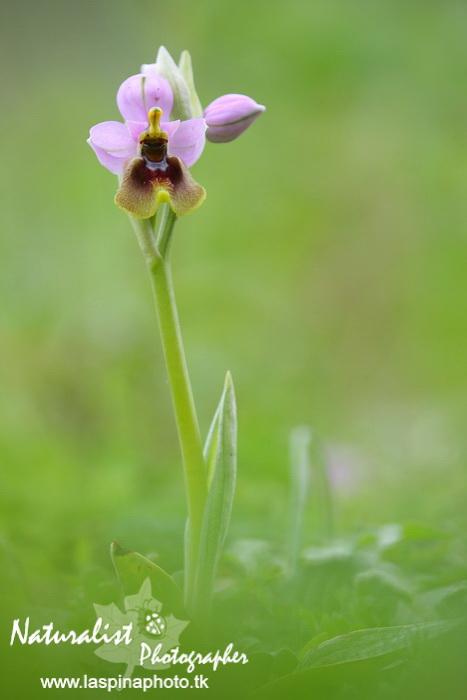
x=146, y=184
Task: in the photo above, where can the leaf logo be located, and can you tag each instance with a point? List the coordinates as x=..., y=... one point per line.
x=143, y=612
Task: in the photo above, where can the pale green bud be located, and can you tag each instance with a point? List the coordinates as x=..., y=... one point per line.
x=187, y=72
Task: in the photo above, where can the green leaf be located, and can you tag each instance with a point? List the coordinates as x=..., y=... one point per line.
x=347, y=661
x=379, y=594
x=221, y=461
x=336, y=552
x=132, y=571
x=212, y=441
x=300, y=439
x=370, y=643
x=422, y=531
x=446, y=600
x=322, y=485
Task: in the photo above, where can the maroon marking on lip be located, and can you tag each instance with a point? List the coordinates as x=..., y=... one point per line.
x=145, y=172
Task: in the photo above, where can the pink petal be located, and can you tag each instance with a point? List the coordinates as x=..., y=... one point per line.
x=113, y=137
x=113, y=163
x=170, y=127
x=228, y=108
x=138, y=94
x=136, y=128
x=113, y=145
x=188, y=140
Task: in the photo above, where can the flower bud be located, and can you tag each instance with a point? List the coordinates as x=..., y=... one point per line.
x=166, y=67
x=186, y=70
x=229, y=116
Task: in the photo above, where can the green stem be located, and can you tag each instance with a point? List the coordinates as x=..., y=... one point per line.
x=185, y=414
x=164, y=236
x=157, y=259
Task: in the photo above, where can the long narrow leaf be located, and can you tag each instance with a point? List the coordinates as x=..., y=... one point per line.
x=221, y=460
x=343, y=661
x=300, y=439
x=322, y=483
x=133, y=569
x=212, y=441
x=369, y=643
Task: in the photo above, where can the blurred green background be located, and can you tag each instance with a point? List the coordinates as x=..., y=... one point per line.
x=326, y=270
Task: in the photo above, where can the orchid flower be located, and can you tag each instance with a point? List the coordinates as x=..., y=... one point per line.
x=152, y=155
